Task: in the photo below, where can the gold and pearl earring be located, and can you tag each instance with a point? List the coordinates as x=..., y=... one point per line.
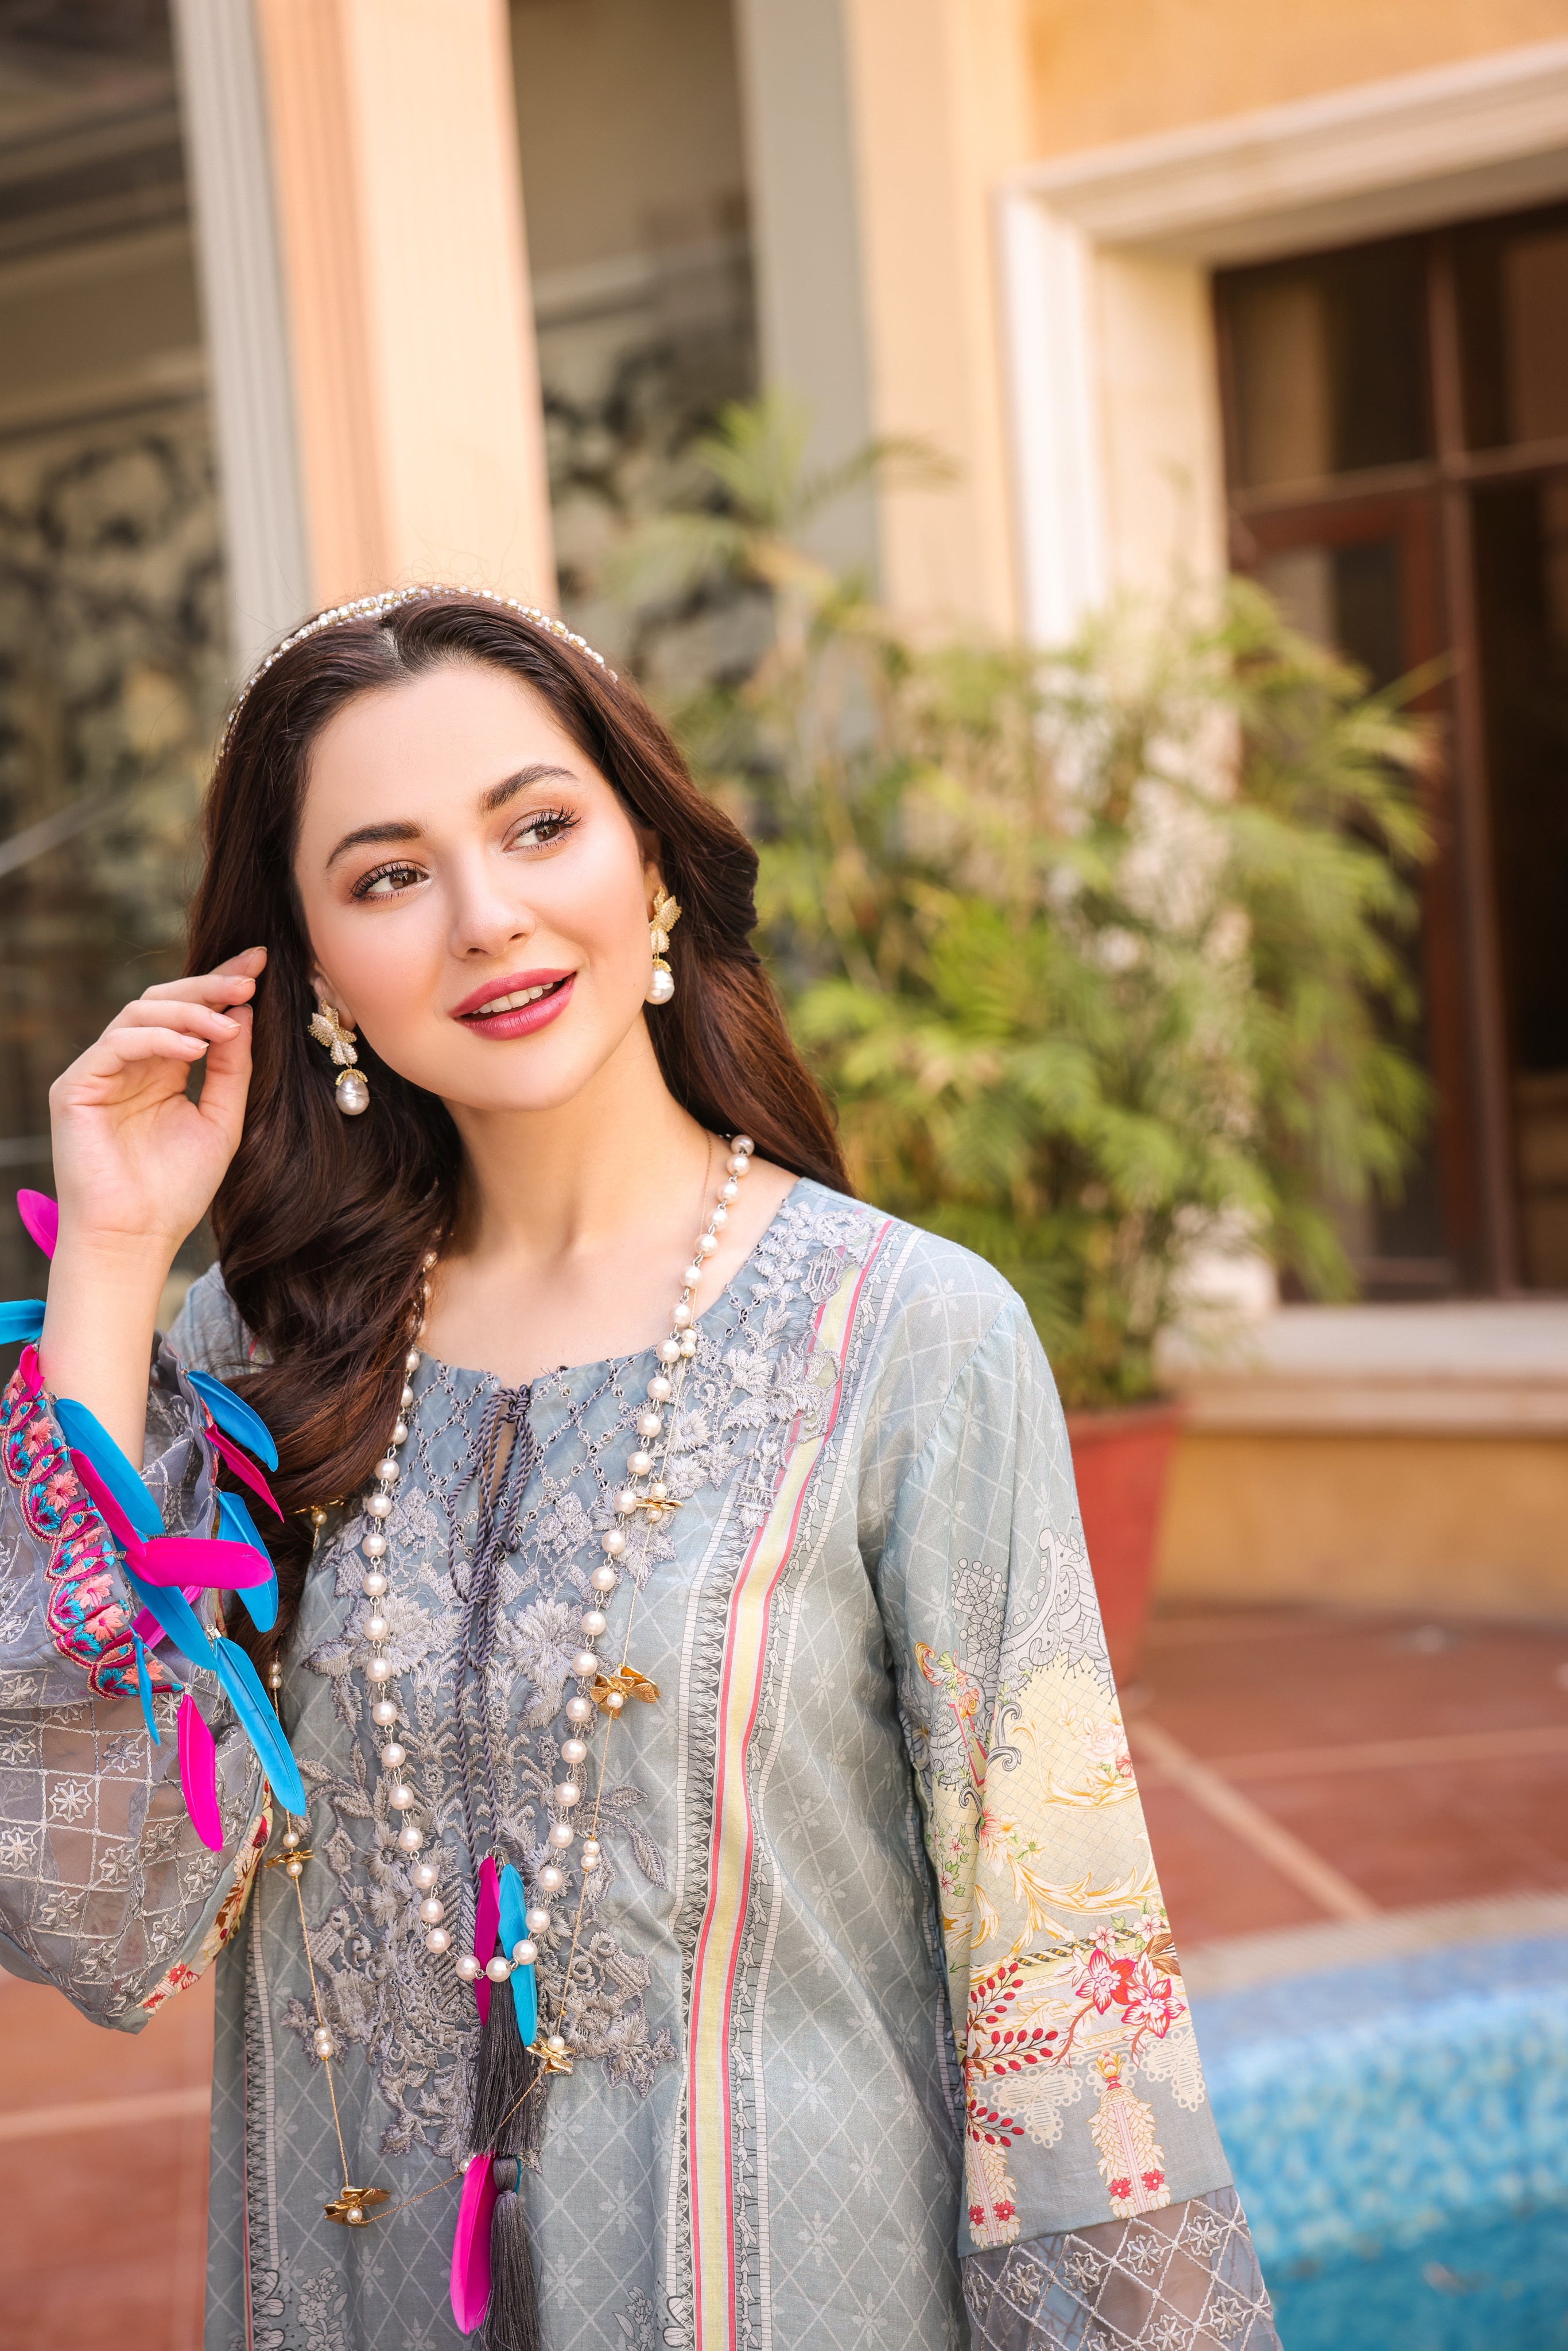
x=666, y=914
x=354, y=1089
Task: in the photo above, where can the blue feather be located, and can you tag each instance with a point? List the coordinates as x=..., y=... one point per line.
x=84, y=1434
x=259, y=1723
x=261, y=1599
x=514, y=1927
x=21, y=1317
x=236, y=1417
x=144, y=1691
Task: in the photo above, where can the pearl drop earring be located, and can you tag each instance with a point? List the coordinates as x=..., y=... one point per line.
x=354, y=1089
x=665, y=915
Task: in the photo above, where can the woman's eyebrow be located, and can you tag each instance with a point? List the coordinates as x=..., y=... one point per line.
x=499, y=794
x=490, y=800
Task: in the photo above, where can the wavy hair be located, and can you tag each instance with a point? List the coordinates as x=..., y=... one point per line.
x=322, y=1223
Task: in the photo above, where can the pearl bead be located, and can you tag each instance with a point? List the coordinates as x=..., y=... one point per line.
x=402, y=1798
x=432, y=1910
x=411, y=1361
x=689, y=1344
x=657, y=1492
x=378, y=1506
x=405, y=1400
x=580, y=1709
x=550, y=1880
x=659, y=1388
x=625, y=1501
x=468, y=1966
x=291, y=1840
x=323, y=2040
x=669, y=1351
x=388, y=1470
x=410, y=1838
x=438, y=1940
x=639, y=1464
x=357, y=2217
x=566, y=1793
x=589, y=1860
x=615, y=1701
x=376, y=1626
x=730, y=1189
x=649, y=1424
x=661, y=988
x=585, y=1665
x=612, y=1542
x=399, y=1432
x=719, y=1218
x=707, y=1244
x=604, y=1579
x=682, y=1317
x=743, y=1143
x=555, y=2044
x=524, y=1953
x=573, y=1750
x=497, y=1968
x=738, y=1165
x=294, y=1867
x=538, y=1919
x=424, y=1874
x=394, y=1754
x=380, y=1669
x=373, y=1584
x=560, y=1834
x=693, y=1274
x=594, y=1621
x=375, y=1544
x=383, y=1714
x=353, y=1095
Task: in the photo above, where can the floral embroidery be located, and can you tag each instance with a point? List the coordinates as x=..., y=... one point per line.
x=87, y=1618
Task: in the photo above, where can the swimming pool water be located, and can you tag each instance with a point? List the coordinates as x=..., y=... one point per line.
x=1503, y=2287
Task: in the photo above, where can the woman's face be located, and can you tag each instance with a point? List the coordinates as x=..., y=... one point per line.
x=476, y=897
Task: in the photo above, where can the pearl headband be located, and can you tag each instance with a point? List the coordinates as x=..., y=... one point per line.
x=391, y=599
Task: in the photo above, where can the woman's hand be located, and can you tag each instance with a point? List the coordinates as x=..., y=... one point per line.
x=136, y=1165
x=136, y=1161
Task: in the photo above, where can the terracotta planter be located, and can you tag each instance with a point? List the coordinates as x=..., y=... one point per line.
x=1121, y=1459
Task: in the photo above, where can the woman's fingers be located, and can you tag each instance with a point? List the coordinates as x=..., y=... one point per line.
x=177, y=1012
x=225, y=1081
x=118, y=1048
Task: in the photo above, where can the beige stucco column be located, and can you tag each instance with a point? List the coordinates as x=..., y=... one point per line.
x=940, y=102
x=405, y=284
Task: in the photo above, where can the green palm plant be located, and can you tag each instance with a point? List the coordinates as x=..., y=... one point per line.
x=1099, y=953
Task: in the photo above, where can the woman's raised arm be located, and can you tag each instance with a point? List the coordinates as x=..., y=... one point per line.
x=136, y=1165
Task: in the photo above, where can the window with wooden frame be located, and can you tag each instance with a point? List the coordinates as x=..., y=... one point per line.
x=1396, y=447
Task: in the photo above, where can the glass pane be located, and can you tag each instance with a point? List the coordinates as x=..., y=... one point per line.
x=1513, y=278
x=1521, y=598
x=112, y=637
x=1328, y=363
x=1352, y=596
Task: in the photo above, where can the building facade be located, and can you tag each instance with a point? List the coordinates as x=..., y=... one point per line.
x=299, y=297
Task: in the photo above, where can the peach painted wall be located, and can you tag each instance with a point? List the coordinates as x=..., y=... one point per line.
x=1125, y=69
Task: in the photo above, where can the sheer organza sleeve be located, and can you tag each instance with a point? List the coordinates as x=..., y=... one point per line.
x=106, y=1889
x=1088, y=2137
x=1182, y=2278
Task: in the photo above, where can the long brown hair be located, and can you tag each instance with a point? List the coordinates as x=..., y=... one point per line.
x=322, y=1222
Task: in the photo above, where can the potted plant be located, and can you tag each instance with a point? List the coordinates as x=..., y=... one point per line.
x=1100, y=951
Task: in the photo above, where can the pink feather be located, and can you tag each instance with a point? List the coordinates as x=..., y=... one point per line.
x=471, y=2246
x=214, y=1565
x=199, y=1773
x=30, y=1376
x=108, y=1509
x=487, y=1920
x=41, y=1216
x=243, y=1467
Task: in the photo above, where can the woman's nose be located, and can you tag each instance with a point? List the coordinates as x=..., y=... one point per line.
x=485, y=922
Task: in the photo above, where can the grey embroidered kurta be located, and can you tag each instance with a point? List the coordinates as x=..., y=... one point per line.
x=884, y=1787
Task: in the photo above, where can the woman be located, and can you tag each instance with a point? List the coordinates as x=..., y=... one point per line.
x=688, y=1653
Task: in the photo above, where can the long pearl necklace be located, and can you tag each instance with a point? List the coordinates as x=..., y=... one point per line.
x=646, y=1494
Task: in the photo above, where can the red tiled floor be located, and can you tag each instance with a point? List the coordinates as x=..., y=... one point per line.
x=1443, y=1834
x=1213, y=1887
x=104, y=2229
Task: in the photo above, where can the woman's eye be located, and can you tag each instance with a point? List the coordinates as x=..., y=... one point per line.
x=541, y=831
x=387, y=882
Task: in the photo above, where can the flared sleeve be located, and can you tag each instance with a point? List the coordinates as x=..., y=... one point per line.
x=107, y=1889
x=1097, y=2206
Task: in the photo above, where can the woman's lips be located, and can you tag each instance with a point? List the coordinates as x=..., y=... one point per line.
x=520, y=1020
